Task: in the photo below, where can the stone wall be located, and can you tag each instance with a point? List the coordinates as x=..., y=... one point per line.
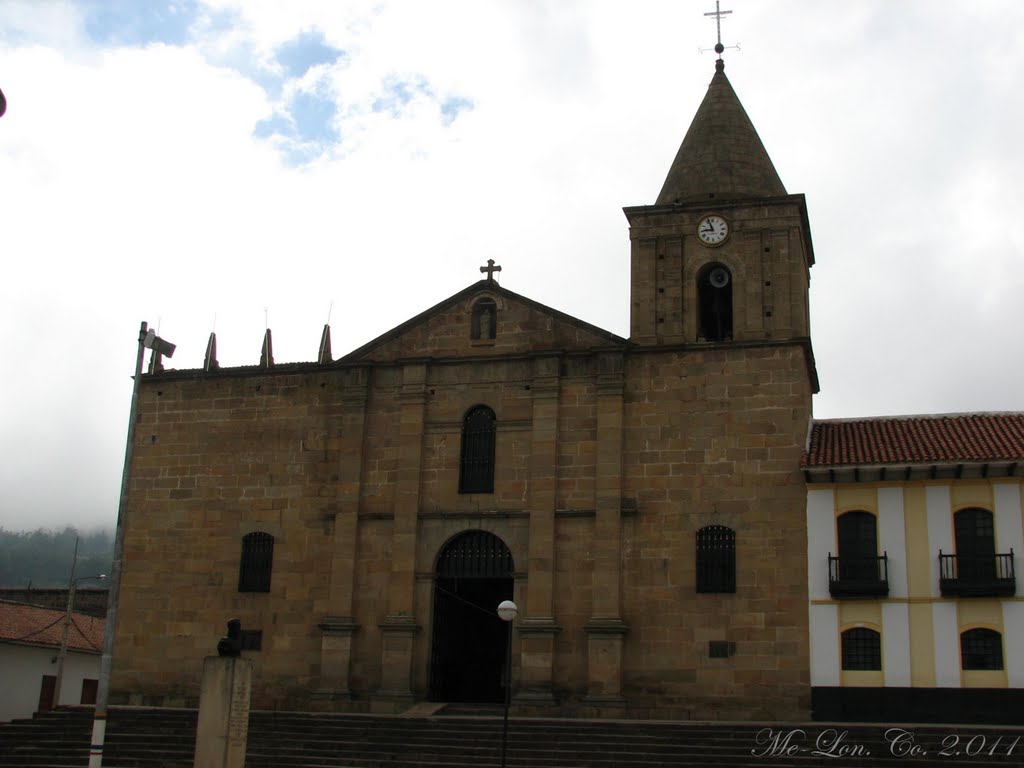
x=714, y=438
x=354, y=470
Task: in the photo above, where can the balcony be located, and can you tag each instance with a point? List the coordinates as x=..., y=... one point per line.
x=853, y=577
x=977, y=575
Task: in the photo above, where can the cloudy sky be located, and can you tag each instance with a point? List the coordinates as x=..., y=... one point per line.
x=222, y=165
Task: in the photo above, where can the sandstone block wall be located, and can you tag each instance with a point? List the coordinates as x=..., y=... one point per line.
x=708, y=437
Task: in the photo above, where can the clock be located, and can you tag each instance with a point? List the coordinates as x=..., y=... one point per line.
x=713, y=229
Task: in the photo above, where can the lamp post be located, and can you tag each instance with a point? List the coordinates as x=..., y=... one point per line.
x=147, y=340
x=63, y=653
x=507, y=611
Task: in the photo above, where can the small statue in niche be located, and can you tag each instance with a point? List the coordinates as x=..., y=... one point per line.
x=231, y=646
x=485, y=324
x=484, y=320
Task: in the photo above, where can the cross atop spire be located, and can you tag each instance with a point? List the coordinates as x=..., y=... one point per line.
x=721, y=155
x=718, y=13
x=490, y=269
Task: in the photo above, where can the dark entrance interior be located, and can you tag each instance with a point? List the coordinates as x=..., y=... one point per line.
x=474, y=574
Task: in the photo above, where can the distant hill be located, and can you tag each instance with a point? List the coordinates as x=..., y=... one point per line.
x=42, y=558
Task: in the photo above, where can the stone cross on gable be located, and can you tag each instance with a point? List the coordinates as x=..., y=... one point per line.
x=490, y=269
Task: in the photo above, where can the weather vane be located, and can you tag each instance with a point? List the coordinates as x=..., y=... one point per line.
x=718, y=13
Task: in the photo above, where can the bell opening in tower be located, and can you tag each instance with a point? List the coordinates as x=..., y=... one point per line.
x=714, y=299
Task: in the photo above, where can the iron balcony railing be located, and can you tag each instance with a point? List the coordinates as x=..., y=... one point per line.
x=858, y=576
x=977, y=575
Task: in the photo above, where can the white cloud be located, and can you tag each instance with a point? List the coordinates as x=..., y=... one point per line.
x=132, y=187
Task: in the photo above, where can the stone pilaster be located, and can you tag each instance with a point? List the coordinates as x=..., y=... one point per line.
x=537, y=629
x=338, y=626
x=606, y=630
x=399, y=626
x=643, y=287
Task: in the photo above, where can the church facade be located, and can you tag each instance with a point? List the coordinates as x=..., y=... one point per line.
x=681, y=538
x=640, y=499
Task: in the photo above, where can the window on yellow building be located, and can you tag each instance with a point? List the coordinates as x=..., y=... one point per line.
x=862, y=649
x=975, y=544
x=858, y=546
x=981, y=649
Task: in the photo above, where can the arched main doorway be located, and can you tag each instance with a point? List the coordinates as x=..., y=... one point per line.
x=468, y=647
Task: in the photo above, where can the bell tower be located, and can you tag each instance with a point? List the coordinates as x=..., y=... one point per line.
x=723, y=257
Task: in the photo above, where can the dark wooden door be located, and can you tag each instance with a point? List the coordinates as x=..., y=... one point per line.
x=46, y=691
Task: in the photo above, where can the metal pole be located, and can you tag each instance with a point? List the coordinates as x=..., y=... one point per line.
x=62, y=654
x=99, y=724
x=508, y=694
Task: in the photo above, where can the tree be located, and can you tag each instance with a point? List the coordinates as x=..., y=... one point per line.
x=42, y=558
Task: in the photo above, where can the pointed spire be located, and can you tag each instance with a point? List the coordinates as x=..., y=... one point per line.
x=210, y=361
x=721, y=156
x=324, y=356
x=267, y=354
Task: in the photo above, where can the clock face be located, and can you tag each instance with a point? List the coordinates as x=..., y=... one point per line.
x=713, y=230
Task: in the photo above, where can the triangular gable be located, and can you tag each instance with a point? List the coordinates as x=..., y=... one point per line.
x=520, y=325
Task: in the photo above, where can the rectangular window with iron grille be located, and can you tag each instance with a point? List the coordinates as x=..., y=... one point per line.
x=716, y=559
x=476, y=460
x=257, y=562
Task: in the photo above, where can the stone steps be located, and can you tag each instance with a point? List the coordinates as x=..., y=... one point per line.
x=165, y=738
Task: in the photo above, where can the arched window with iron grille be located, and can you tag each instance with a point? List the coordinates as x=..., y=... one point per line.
x=475, y=555
x=981, y=649
x=476, y=464
x=257, y=562
x=861, y=649
x=716, y=559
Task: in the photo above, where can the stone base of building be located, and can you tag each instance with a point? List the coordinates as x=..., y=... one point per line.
x=789, y=707
x=988, y=706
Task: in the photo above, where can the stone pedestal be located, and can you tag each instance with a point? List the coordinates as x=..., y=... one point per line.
x=537, y=655
x=336, y=655
x=604, y=660
x=224, y=696
x=398, y=634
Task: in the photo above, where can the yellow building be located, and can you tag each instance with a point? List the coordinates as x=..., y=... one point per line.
x=913, y=525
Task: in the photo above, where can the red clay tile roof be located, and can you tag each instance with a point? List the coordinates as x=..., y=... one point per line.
x=952, y=438
x=34, y=625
